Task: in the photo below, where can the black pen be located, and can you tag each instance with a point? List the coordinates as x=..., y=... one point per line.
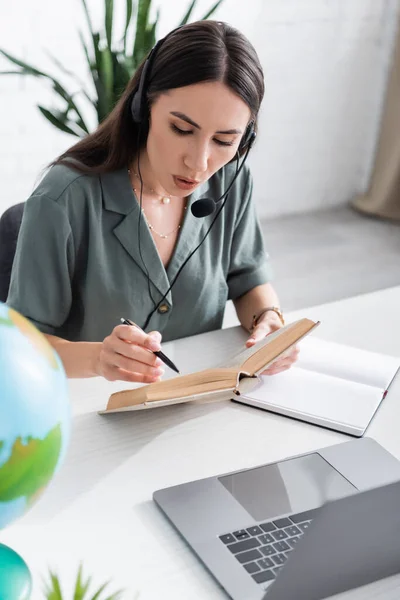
x=158, y=353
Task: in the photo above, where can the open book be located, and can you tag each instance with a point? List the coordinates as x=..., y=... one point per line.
x=237, y=376
x=332, y=385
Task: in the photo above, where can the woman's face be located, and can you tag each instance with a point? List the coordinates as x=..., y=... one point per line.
x=194, y=131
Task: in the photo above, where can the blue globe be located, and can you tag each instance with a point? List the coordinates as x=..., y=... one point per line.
x=34, y=414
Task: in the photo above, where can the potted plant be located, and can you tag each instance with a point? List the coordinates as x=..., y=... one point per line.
x=111, y=63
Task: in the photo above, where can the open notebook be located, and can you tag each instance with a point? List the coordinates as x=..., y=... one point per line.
x=332, y=385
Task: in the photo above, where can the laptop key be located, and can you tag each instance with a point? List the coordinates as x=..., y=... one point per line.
x=292, y=530
x=281, y=546
x=244, y=557
x=256, y=530
x=227, y=538
x=266, y=538
x=279, y=559
x=268, y=550
x=303, y=516
x=263, y=576
x=265, y=563
x=241, y=534
x=244, y=545
x=279, y=535
x=252, y=567
x=267, y=527
x=293, y=541
x=280, y=523
x=304, y=526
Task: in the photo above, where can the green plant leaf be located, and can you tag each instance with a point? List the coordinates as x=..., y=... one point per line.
x=188, y=13
x=121, y=75
x=100, y=591
x=56, y=121
x=81, y=587
x=66, y=71
x=115, y=596
x=109, y=21
x=139, y=49
x=150, y=38
x=97, y=53
x=27, y=69
x=58, y=88
x=129, y=15
x=107, y=78
x=212, y=10
x=70, y=105
x=53, y=588
x=85, y=49
x=88, y=19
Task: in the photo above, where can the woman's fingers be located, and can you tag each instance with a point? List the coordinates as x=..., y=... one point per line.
x=117, y=374
x=275, y=370
x=135, y=335
x=128, y=354
x=132, y=351
x=283, y=363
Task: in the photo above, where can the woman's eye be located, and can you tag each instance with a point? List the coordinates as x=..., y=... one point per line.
x=180, y=131
x=221, y=143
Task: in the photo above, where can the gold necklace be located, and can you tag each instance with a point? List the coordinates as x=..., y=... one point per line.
x=164, y=198
x=164, y=236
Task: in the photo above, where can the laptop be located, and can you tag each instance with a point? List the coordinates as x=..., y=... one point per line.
x=297, y=529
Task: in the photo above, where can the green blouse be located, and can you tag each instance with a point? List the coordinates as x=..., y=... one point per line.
x=78, y=266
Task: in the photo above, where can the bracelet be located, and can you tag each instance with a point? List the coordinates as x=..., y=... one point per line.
x=257, y=317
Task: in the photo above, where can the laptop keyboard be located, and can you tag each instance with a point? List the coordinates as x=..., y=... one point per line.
x=263, y=549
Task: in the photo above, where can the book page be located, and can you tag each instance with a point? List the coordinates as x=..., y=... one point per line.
x=317, y=398
x=346, y=362
x=279, y=340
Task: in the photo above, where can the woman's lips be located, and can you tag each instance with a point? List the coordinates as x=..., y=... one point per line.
x=184, y=184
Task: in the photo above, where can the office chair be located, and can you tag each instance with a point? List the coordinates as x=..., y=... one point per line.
x=10, y=223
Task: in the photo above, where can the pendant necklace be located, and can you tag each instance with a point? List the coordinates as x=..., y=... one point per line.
x=164, y=200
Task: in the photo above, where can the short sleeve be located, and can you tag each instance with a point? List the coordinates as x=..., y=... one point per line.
x=40, y=286
x=249, y=263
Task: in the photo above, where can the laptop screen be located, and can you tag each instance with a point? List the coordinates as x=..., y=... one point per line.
x=289, y=486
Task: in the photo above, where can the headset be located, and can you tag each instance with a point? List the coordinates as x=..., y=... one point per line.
x=202, y=207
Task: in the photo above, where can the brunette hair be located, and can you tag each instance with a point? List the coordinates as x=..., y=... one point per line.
x=197, y=52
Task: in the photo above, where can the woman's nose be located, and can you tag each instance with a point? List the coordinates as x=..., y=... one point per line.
x=196, y=158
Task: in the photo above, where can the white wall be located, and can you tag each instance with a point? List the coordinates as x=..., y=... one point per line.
x=325, y=63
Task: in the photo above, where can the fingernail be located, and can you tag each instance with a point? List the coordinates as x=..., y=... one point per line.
x=158, y=363
x=154, y=346
x=158, y=372
x=156, y=335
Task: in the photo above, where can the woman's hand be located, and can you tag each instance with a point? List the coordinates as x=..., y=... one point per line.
x=268, y=324
x=126, y=354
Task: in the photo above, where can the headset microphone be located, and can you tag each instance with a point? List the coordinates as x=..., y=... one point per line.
x=206, y=206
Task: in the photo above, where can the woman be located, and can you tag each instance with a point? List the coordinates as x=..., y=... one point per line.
x=111, y=230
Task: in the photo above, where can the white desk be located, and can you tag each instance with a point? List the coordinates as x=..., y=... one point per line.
x=99, y=508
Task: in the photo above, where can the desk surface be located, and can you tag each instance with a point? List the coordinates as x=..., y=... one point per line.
x=99, y=508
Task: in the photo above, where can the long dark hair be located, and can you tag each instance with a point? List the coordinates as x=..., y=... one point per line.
x=197, y=52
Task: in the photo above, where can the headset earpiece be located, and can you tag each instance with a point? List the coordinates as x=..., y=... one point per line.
x=139, y=101
x=248, y=138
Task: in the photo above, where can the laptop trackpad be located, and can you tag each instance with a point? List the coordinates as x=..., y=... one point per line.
x=289, y=486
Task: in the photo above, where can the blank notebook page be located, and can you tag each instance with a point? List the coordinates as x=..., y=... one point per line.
x=331, y=384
